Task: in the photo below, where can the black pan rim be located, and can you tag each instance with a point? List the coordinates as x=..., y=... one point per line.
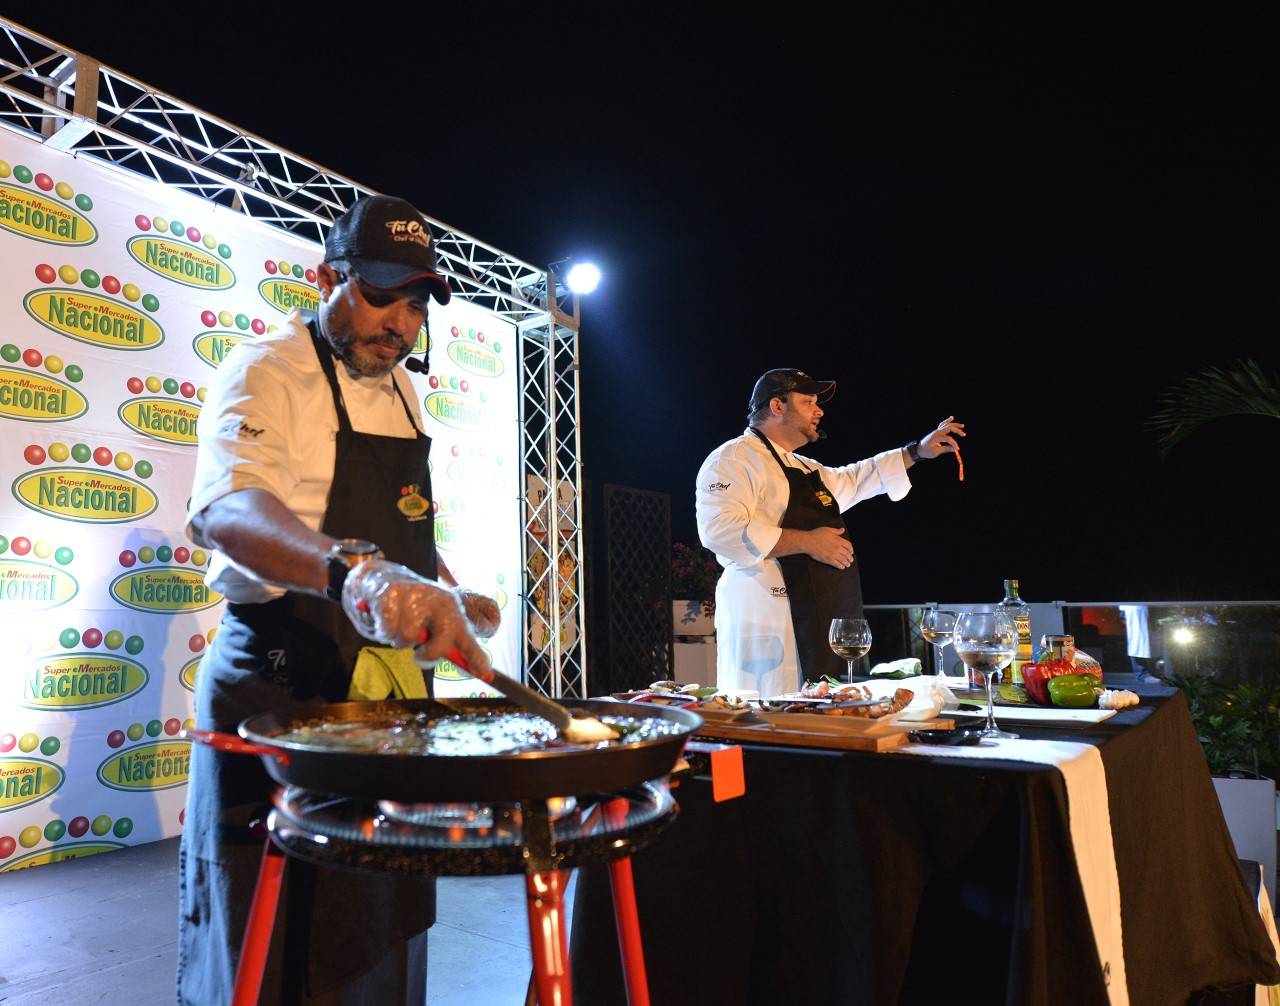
x=682, y=717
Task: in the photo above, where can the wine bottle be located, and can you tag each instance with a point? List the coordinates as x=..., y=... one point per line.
x=1020, y=612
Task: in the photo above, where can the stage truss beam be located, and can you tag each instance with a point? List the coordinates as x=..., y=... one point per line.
x=71, y=102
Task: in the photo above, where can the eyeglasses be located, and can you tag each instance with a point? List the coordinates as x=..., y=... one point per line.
x=376, y=296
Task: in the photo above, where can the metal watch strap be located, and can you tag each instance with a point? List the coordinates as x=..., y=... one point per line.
x=344, y=555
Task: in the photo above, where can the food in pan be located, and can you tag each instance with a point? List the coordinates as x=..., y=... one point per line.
x=456, y=735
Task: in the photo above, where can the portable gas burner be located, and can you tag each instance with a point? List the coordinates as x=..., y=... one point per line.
x=423, y=826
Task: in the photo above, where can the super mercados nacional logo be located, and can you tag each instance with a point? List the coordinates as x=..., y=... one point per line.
x=473, y=352
x=103, y=312
x=170, y=417
x=30, y=396
x=163, y=580
x=181, y=253
x=288, y=285
x=34, y=576
x=151, y=765
x=25, y=777
x=456, y=404
x=83, y=670
x=50, y=211
x=93, y=489
x=222, y=332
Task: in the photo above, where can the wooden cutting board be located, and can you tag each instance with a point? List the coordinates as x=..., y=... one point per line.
x=765, y=733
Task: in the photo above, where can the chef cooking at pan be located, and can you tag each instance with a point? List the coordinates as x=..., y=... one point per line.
x=773, y=518
x=312, y=485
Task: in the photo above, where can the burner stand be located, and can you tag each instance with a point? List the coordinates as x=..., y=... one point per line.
x=542, y=839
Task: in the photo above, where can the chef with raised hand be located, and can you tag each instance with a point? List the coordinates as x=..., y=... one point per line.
x=312, y=486
x=773, y=519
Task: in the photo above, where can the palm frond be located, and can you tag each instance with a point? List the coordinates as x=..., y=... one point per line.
x=1242, y=389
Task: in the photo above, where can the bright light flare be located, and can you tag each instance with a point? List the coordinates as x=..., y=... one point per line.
x=583, y=278
x=1183, y=636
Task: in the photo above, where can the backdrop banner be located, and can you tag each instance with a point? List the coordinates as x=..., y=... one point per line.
x=118, y=300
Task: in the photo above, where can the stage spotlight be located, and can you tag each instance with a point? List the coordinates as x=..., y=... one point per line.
x=583, y=278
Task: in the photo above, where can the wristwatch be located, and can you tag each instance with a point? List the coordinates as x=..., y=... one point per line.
x=913, y=450
x=344, y=555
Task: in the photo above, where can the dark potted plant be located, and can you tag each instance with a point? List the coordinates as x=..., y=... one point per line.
x=694, y=572
x=1239, y=729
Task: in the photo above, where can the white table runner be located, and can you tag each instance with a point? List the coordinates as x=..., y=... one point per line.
x=1089, y=815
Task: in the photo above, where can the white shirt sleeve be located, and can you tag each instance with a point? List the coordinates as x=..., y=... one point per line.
x=245, y=433
x=885, y=473
x=725, y=502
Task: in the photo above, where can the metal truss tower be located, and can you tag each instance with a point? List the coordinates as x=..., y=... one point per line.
x=73, y=103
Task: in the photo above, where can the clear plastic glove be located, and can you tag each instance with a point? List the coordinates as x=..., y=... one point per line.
x=481, y=610
x=391, y=604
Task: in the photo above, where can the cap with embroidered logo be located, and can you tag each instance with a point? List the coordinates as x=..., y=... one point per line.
x=780, y=383
x=388, y=244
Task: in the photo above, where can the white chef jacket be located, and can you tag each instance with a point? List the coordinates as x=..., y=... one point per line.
x=268, y=422
x=740, y=498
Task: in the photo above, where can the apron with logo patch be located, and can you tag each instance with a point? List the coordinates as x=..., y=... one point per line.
x=816, y=592
x=340, y=937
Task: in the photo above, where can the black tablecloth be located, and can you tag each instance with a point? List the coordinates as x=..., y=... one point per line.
x=848, y=877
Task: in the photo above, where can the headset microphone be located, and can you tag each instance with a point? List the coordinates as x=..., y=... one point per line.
x=822, y=434
x=417, y=366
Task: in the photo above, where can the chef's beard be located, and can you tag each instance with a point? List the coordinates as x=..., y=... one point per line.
x=351, y=348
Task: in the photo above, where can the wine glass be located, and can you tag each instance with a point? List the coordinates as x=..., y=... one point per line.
x=850, y=638
x=937, y=626
x=986, y=641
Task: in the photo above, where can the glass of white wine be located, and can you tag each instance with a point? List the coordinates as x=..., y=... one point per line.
x=986, y=641
x=937, y=626
x=850, y=638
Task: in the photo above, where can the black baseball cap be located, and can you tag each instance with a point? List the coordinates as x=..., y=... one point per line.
x=388, y=244
x=780, y=383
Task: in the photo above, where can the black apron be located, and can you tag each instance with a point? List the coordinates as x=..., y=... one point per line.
x=340, y=937
x=816, y=592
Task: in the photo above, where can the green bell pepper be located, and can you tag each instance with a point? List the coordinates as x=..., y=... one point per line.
x=1073, y=691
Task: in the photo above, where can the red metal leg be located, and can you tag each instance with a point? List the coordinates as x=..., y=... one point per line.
x=626, y=916
x=257, y=933
x=547, y=937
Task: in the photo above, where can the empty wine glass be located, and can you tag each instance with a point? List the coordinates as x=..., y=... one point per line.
x=850, y=638
x=937, y=626
x=986, y=641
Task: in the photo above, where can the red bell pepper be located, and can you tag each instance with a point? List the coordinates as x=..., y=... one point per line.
x=1036, y=678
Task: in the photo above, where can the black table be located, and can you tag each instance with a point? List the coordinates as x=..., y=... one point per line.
x=849, y=877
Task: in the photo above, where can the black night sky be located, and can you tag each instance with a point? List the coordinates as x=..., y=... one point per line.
x=1034, y=224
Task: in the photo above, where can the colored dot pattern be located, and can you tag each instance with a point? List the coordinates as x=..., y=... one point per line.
x=148, y=554
x=56, y=829
x=70, y=275
x=33, y=358
x=169, y=385
x=104, y=457
x=91, y=638
x=475, y=335
x=45, y=183
x=42, y=548
x=289, y=270
x=163, y=225
x=211, y=319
